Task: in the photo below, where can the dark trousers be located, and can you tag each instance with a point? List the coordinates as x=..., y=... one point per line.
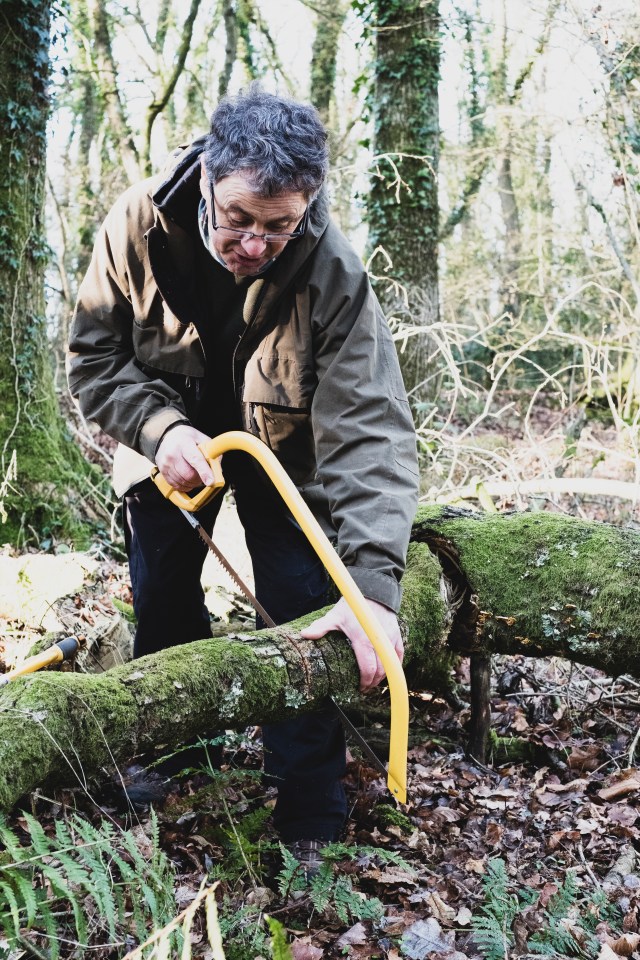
x=304, y=757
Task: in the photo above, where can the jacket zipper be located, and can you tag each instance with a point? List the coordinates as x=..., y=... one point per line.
x=233, y=363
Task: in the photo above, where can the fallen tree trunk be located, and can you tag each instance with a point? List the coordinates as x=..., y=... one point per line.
x=538, y=584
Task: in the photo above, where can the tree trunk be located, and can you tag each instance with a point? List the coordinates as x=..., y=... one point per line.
x=403, y=201
x=231, y=47
x=39, y=466
x=107, y=75
x=160, y=101
x=510, y=273
x=535, y=584
x=330, y=15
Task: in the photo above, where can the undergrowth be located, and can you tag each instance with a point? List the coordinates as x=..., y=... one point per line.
x=91, y=882
x=565, y=927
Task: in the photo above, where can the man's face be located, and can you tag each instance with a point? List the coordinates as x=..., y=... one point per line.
x=240, y=207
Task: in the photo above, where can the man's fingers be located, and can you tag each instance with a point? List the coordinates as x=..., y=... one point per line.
x=342, y=618
x=369, y=665
x=197, y=460
x=319, y=628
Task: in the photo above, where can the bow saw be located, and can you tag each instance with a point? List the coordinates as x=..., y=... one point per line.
x=396, y=774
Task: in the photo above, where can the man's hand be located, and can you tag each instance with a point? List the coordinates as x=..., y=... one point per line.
x=179, y=460
x=342, y=618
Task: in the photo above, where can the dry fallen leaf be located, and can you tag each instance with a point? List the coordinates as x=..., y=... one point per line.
x=464, y=916
x=625, y=945
x=578, y=784
x=585, y=758
x=620, y=789
x=448, y=814
x=493, y=833
x=423, y=938
x=606, y=953
x=357, y=934
x=301, y=950
x=390, y=877
x=562, y=836
x=441, y=910
x=520, y=722
x=549, y=890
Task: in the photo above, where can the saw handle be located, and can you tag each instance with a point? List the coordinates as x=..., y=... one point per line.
x=199, y=499
x=60, y=651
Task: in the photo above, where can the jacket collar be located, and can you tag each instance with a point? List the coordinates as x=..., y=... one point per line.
x=176, y=198
x=177, y=195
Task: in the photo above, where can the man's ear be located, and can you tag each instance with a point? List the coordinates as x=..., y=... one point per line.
x=204, y=179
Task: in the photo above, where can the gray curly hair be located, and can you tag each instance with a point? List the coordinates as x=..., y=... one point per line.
x=280, y=143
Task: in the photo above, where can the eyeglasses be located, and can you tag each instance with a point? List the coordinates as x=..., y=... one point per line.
x=236, y=234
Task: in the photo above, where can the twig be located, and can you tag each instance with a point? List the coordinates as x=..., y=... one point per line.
x=588, y=869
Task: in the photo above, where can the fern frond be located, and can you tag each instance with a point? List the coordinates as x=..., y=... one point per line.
x=561, y=902
x=46, y=886
x=280, y=949
x=290, y=877
x=321, y=888
x=14, y=909
x=27, y=896
x=492, y=937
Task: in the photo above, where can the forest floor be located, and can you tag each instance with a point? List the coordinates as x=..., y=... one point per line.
x=558, y=799
x=533, y=853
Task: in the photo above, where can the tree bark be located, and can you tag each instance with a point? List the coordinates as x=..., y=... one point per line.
x=107, y=75
x=534, y=584
x=40, y=468
x=402, y=207
x=160, y=101
x=330, y=16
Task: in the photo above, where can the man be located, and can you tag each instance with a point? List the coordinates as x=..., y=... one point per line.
x=220, y=296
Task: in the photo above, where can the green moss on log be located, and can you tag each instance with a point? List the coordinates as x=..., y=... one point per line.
x=426, y=617
x=63, y=728
x=547, y=584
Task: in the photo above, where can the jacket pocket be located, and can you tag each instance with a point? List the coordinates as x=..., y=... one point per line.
x=286, y=431
x=162, y=341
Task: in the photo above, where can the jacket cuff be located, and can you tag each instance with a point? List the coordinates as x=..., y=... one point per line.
x=378, y=586
x=155, y=428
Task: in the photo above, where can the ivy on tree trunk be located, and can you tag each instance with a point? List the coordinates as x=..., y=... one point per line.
x=402, y=207
x=41, y=470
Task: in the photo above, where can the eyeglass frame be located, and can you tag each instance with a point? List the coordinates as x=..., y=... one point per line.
x=266, y=237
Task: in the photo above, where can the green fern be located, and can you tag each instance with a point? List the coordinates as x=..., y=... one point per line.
x=561, y=902
x=290, y=879
x=492, y=929
x=242, y=931
x=280, y=949
x=46, y=883
x=330, y=888
x=350, y=905
x=322, y=888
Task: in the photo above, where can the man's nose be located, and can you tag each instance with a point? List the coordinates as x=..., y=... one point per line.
x=253, y=246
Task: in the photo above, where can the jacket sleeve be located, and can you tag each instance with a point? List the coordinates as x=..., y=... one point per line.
x=363, y=428
x=110, y=386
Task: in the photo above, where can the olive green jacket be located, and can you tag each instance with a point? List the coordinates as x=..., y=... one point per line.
x=316, y=372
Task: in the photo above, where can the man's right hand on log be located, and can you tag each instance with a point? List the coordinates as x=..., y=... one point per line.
x=179, y=460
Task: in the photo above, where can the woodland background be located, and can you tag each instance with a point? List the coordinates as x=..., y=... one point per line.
x=486, y=163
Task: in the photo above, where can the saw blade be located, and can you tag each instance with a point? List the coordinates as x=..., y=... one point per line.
x=270, y=622
x=222, y=560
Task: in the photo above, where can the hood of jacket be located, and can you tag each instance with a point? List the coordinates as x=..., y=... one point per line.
x=175, y=194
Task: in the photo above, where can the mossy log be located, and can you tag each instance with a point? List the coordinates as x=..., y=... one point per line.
x=538, y=584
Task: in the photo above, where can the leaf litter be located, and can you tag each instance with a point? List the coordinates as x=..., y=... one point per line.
x=571, y=806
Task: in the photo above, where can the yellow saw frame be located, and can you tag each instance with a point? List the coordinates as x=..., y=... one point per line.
x=237, y=440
